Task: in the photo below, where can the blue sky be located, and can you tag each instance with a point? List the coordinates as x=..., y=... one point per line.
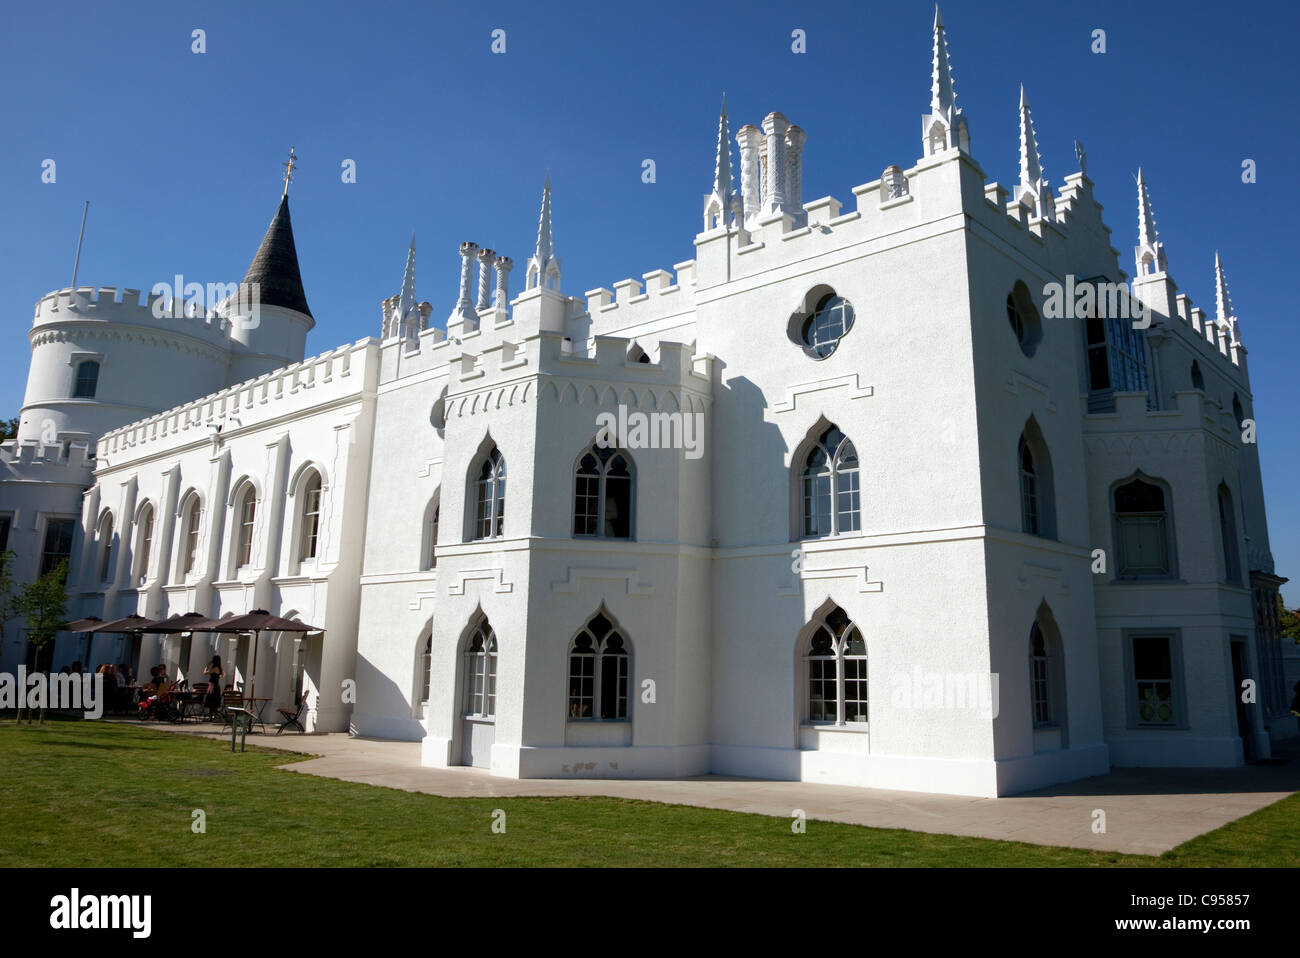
x=180, y=153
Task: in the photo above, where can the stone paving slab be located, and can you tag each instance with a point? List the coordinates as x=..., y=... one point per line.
x=1148, y=810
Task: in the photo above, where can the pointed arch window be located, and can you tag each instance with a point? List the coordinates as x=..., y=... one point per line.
x=1228, y=536
x=602, y=494
x=490, y=497
x=480, y=672
x=431, y=534
x=1198, y=377
x=426, y=664
x=311, y=502
x=835, y=668
x=1029, y=515
x=831, y=495
x=1142, y=531
x=599, y=670
x=145, y=524
x=1040, y=676
x=1036, y=485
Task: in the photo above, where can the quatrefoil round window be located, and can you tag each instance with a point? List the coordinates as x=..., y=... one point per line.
x=819, y=330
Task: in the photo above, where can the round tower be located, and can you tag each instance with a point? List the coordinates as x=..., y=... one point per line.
x=102, y=359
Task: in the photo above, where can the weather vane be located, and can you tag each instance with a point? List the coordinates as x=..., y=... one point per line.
x=288, y=170
x=1082, y=156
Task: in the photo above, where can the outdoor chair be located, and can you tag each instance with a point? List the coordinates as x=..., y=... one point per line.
x=230, y=699
x=293, y=717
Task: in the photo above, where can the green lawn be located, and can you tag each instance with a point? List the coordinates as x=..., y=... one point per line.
x=96, y=794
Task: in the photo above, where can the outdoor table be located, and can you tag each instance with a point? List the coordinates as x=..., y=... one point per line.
x=188, y=704
x=255, y=707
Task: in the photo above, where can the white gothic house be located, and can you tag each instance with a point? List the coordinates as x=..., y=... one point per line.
x=870, y=516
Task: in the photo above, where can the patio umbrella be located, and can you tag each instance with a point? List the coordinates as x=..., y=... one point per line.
x=175, y=624
x=257, y=622
x=83, y=625
x=86, y=625
x=128, y=623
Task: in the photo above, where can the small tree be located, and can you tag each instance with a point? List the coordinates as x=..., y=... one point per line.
x=1289, y=621
x=8, y=429
x=8, y=600
x=45, y=604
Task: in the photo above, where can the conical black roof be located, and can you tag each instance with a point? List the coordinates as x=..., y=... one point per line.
x=275, y=267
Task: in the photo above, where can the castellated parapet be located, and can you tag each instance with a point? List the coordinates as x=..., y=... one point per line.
x=311, y=384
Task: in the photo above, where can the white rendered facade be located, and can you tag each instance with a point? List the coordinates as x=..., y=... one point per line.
x=988, y=453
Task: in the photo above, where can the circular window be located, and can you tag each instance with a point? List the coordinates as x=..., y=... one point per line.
x=820, y=332
x=1022, y=316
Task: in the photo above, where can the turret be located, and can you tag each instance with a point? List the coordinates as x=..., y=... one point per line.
x=274, y=333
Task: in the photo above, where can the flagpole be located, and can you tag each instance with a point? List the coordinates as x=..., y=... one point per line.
x=76, y=265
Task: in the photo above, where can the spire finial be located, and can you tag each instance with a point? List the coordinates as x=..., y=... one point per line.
x=1221, y=298
x=406, y=301
x=1147, y=234
x=1031, y=162
x=1150, y=251
x=943, y=95
x=545, y=239
x=288, y=169
x=722, y=165
x=543, y=267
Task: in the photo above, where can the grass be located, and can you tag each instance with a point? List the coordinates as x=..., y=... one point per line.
x=96, y=794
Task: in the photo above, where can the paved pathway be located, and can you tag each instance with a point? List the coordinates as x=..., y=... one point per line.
x=1148, y=811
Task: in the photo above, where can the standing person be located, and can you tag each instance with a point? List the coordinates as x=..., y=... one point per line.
x=214, y=674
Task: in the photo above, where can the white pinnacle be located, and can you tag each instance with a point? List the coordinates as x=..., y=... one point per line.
x=1223, y=302
x=722, y=166
x=943, y=96
x=407, y=298
x=545, y=242
x=1031, y=162
x=1147, y=234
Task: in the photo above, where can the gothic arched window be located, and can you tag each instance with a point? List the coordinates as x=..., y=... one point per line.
x=830, y=493
x=490, y=497
x=1142, y=531
x=602, y=494
x=599, y=671
x=835, y=661
x=480, y=672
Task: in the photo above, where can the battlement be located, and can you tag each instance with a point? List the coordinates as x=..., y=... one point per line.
x=1195, y=412
x=607, y=359
x=19, y=459
x=631, y=303
x=348, y=369
x=109, y=304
